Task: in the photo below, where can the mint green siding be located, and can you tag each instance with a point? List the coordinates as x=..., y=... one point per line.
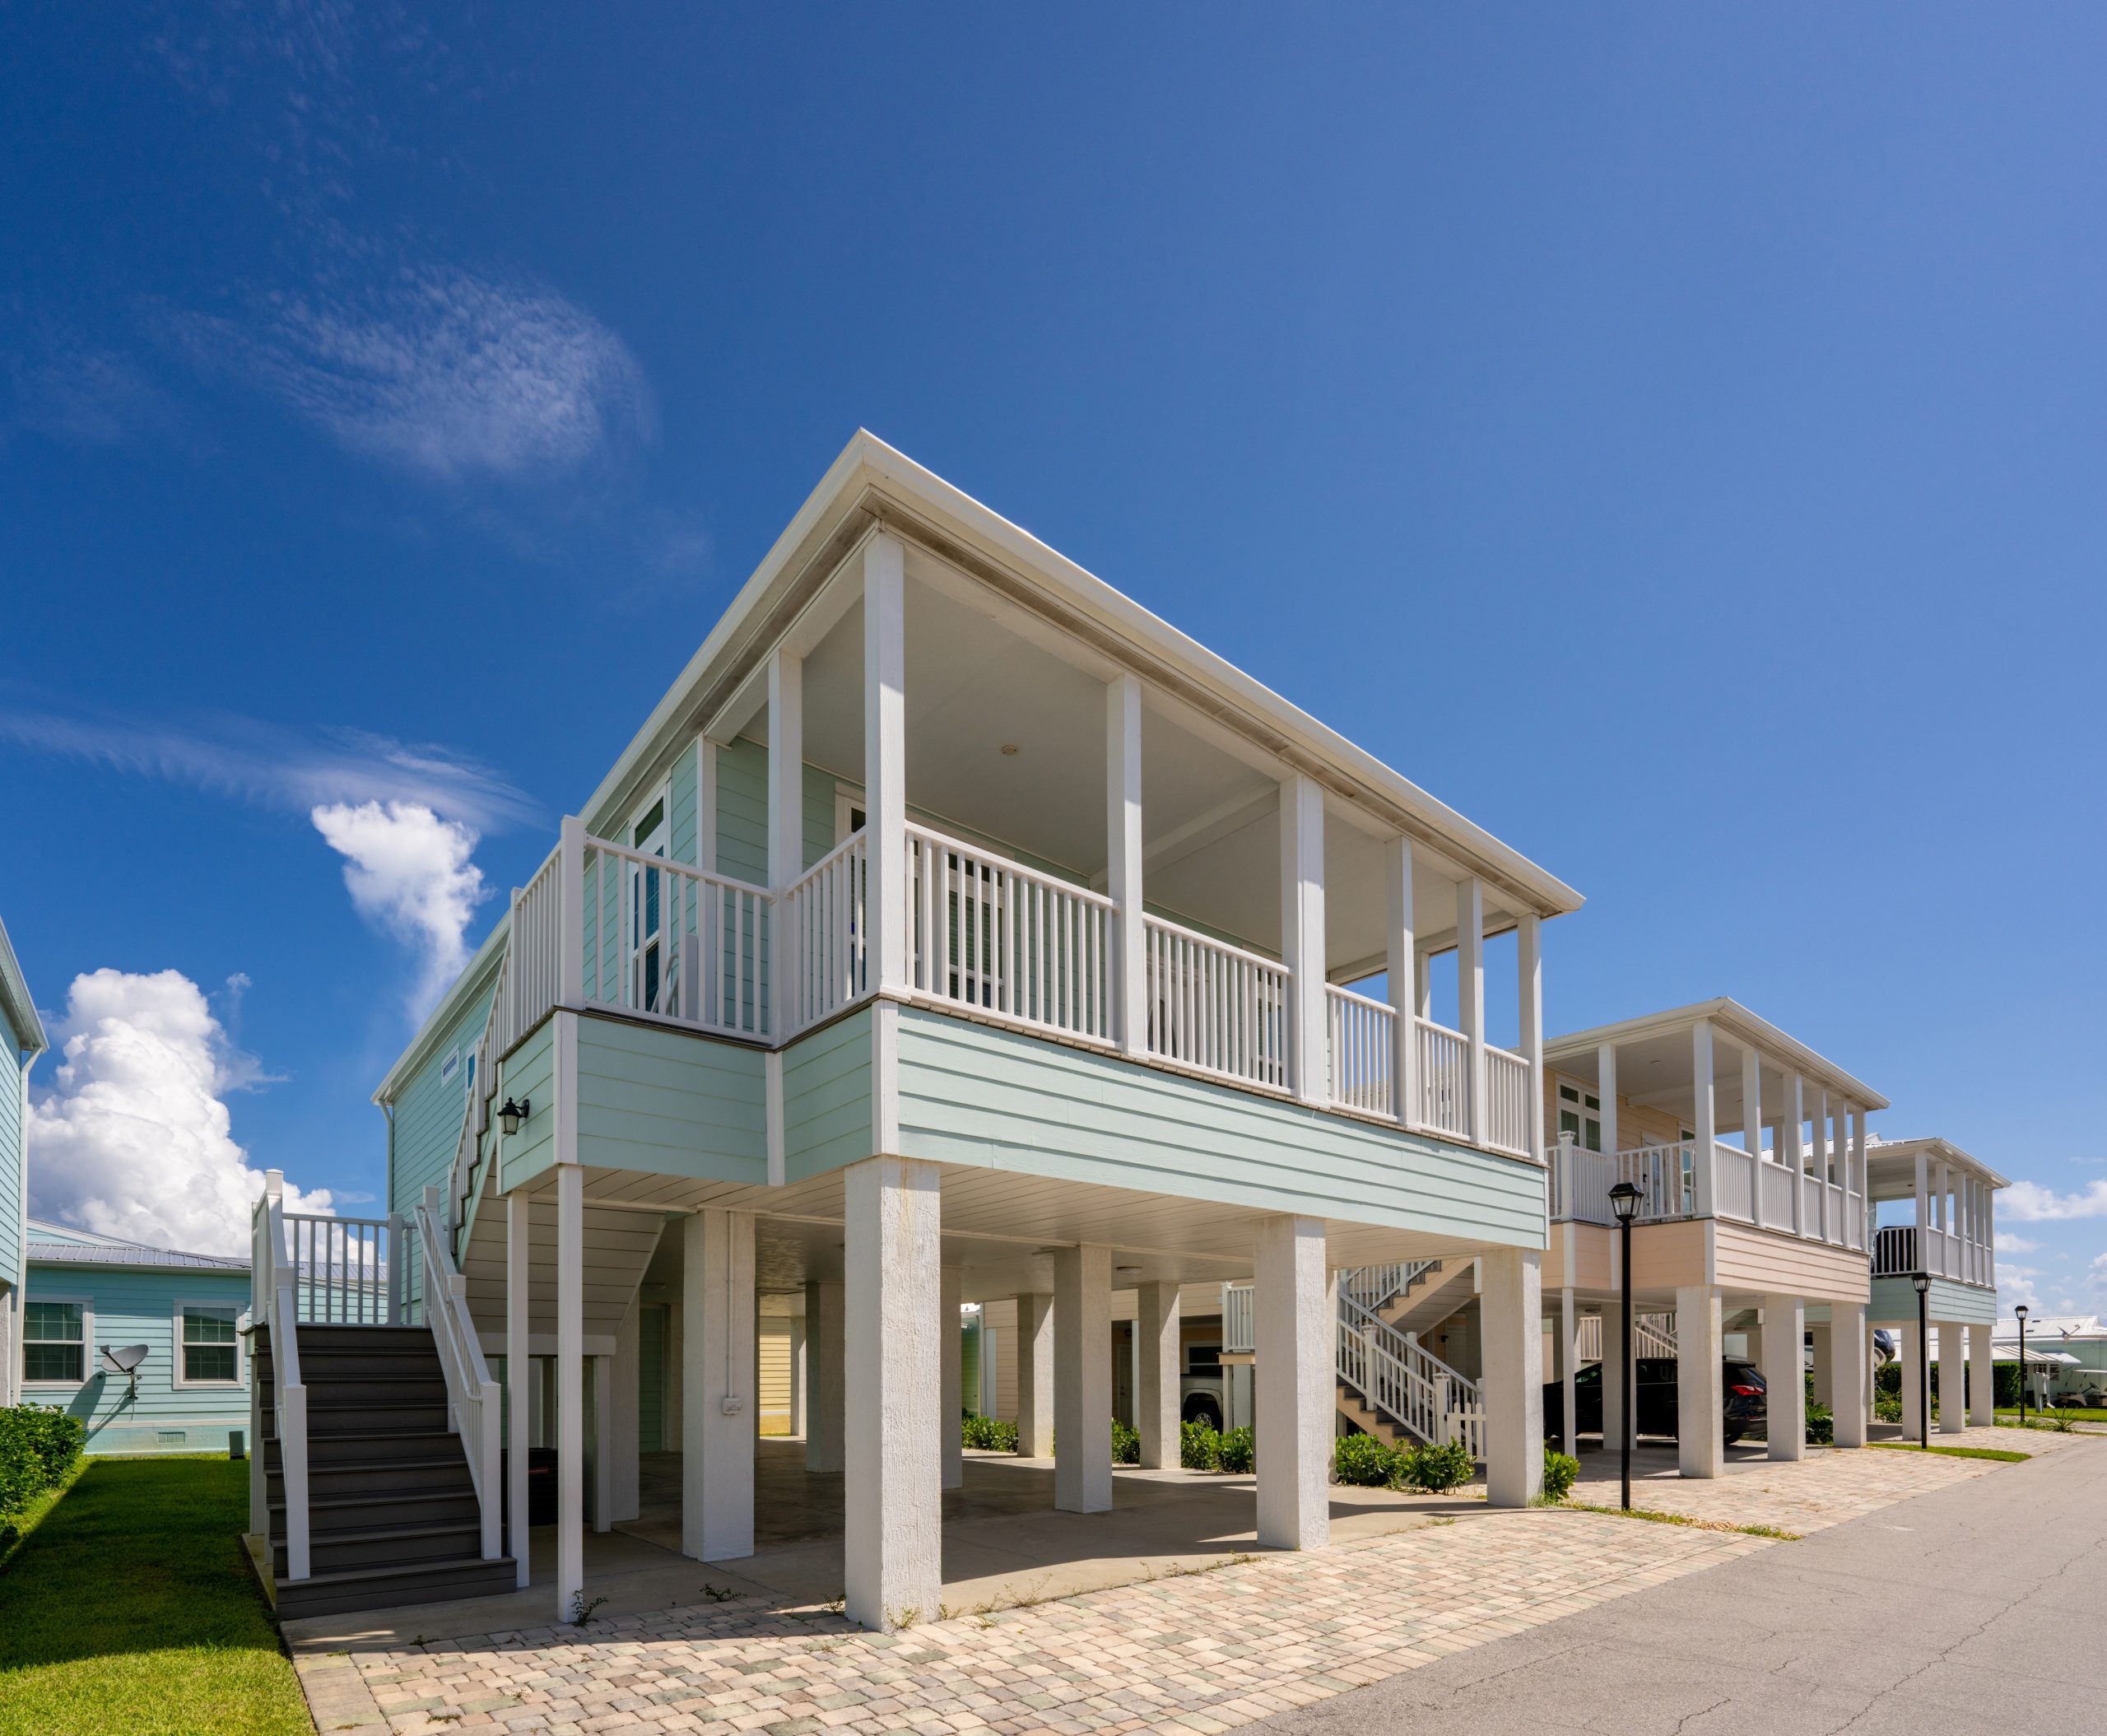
x=1893, y=1301
x=427, y=1125
x=529, y=1076
x=12, y=1205
x=827, y=1098
x=970, y=1094
x=131, y=1307
x=669, y=1102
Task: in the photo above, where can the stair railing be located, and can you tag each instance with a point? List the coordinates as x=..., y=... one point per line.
x=274, y=1285
x=1401, y=1379
x=1373, y=1287
x=473, y=1404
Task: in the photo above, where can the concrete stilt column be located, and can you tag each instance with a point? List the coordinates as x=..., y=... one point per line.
x=1510, y=1311
x=1854, y=1354
x=1035, y=1376
x=1820, y=1335
x=1982, y=1379
x=892, y=1543
x=826, y=1345
x=603, y=1443
x=1911, y=1362
x=950, y=1289
x=1701, y=1393
x=518, y=1375
x=1785, y=1327
x=1155, y=1387
x=1291, y=1327
x=1082, y=1378
x=1953, y=1364
x=627, y=1435
x=570, y=1388
x=1568, y=1367
x=718, y=1384
x=1616, y=1402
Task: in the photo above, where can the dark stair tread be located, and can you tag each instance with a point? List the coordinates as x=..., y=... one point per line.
x=393, y=1533
x=378, y=1497
x=348, y=1576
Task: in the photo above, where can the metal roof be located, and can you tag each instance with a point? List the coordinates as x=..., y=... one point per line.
x=107, y=1251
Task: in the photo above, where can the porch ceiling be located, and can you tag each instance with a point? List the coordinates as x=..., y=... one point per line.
x=1891, y=1166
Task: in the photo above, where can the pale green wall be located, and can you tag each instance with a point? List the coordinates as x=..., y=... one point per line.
x=530, y=1073
x=427, y=1125
x=827, y=1098
x=1894, y=1302
x=970, y=1094
x=664, y=1101
x=11, y=1202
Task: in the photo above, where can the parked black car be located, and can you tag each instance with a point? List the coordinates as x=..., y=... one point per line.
x=1656, y=1395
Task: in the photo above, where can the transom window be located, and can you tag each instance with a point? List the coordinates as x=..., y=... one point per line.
x=209, y=1349
x=54, y=1345
x=1580, y=1113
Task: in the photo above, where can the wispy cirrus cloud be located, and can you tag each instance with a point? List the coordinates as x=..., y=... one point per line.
x=440, y=372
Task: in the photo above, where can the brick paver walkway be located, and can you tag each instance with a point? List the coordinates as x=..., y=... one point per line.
x=1202, y=1653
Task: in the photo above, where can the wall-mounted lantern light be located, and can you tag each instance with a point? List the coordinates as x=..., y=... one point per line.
x=512, y=1114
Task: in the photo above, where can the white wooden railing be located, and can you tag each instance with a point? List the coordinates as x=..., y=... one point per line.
x=1507, y=1101
x=1399, y=1378
x=1214, y=1007
x=1239, y=1324
x=345, y=1269
x=1445, y=1074
x=644, y=919
x=1900, y=1250
x=474, y=1406
x=824, y=935
x=1652, y=1335
x=1372, y=1287
x=273, y=1284
x=1008, y=941
x=1733, y=1172
x=1362, y=1046
x=1774, y=1196
x=1745, y=1188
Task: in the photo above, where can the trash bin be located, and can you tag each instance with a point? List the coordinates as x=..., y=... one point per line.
x=541, y=1485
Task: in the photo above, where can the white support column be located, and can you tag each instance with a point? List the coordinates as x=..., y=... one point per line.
x=951, y=1292
x=1401, y=971
x=1784, y=1379
x=1302, y=933
x=892, y=1489
x=786, y=809
x=1156, y=1395
x=1082, y=1378
x=1422, y=982
x=1911, y=1363
x=603, y=1443
x=705, y=804
x=1292, y=1329
x=1953, y=1375
x=518, y=1376
x=1819, y=1114
x=1982, y=1379
x=885, y=762
x=624, y=1471
x=1569, y=1358
x=1821, y=1344
x=717, y=1385
x=1705, y=1119
x=1035, y=1376
x=1529, y=951
x=825, y=1373
x=1606, y=1089
x=1923, y=1214
x=570, y=1388
x=1701, y=1383
x=1752, y=1107
x=1858, y=1170
x=1470, y=994
x=1795, y=1152
x=1616, y=1400
x=1123, y=861
x=1510, y=1304
x=1853, y=1374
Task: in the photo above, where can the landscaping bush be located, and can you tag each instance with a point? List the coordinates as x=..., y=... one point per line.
x=1126, y=1444
x=990, y=1434
x=1362, y=1461
x=38, y=1445
x=1821, y=1426
x=1433, y=1469
x=2007, y=1384
x=1199, y=1447
x=1888, y=1379
x=1239, y=1451
x=1561, y=1471
x=1887, y=1407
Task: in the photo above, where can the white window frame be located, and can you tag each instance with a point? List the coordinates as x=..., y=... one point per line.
x=87, y=1307
x=177, y=1378
x=450, y=1066
x=1581, y=1112
x=846, y=801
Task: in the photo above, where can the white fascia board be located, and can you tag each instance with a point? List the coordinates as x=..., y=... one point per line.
x=18, y=1001
x=1740, y=1026
x=1939, y=1151
x=474, y=976
x=868, y=465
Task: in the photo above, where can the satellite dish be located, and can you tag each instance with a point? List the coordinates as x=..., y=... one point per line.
x=125, y=1359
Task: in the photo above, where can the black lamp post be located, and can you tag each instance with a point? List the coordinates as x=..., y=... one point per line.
x=1923, y=1281
x=2021, y=1311
x=1623, y=1201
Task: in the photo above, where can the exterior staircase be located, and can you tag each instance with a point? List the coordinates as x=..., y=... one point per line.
x=1390, y=1385
x=392, y=1512
x=1437, y=1293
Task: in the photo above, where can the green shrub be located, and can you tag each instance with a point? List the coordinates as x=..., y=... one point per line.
x=2007, y=1384
x=1888, y=1407
x=1239, y=1451
x=1821, y=1426
x=1362, y=1461
x=1561, y=1471
x=1199, y=1447
x=38, y=1445
x=1126, y=1444
x=1433, y=1469
x=1888, y=1378
x=990, y=1434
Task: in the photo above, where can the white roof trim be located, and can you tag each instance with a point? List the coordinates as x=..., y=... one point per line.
x=19, y=1004
x=1736, y=1022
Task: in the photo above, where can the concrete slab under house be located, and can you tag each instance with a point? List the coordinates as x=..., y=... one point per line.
x=955, y=944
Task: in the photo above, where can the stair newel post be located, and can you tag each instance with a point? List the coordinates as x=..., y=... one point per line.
x=570, y=912
x=259, y=1314
x=291, y=1393
x=395, y=1268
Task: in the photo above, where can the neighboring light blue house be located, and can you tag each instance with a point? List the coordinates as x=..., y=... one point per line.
x=23, y=1033
x=89, y=1295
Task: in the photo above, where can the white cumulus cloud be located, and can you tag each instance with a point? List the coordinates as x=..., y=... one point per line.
x=2010, y=1241
x=2030, y=1203
x=409, y=873
x=134, y=1139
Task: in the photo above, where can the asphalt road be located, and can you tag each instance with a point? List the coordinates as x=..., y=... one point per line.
x=1981, y=1607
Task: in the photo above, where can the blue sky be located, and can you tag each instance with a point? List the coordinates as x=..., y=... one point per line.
x=1673, y=438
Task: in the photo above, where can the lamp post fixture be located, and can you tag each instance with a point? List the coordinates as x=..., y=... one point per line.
x=1623, y=1201
x=1923, y=1281
x=2020, y=1312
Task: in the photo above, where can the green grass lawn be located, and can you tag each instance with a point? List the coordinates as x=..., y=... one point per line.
x=2033, y=1416
x=130, y=1610
x=1999, y=1454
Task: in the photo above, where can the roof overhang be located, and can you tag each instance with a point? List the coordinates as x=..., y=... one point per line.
x=1898, y=1157
x=16, y=1002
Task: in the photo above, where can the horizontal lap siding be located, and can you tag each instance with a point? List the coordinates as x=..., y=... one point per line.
x=427, y=1126
x=827, y=1098
x=973, y=1095
x=530, y=1074
x=139, y=1308
x=11, y=1203
x=1786, y=1265
x=665, y=1101
x=1895, y=1299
